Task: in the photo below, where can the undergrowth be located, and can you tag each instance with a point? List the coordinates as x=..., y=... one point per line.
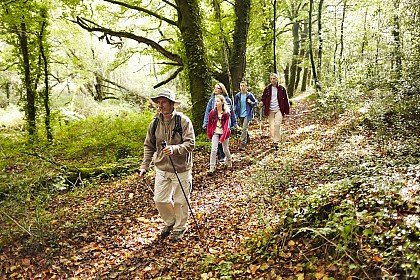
x=350, y=203
x=102, y=146
x=82, y=151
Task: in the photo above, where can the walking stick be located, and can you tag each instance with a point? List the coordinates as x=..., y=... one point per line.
x=163, y=144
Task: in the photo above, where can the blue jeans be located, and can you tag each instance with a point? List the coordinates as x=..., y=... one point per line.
x=220, y=153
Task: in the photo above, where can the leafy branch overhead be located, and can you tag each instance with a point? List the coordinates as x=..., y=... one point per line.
x=180, y=41
x=109, y=33
x=93, y=27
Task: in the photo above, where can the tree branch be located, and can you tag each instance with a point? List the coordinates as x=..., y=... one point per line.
x=93, y=27
x=171, y=4
x=16, y=222
x=140, y=9
x=173, y=76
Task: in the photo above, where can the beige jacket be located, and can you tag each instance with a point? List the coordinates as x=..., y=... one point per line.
x=182, y=149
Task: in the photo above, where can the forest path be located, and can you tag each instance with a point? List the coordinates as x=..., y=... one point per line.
x=110, y=231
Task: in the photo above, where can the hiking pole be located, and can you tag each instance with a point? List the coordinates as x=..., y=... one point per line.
x=163, y=144
x=150, y=189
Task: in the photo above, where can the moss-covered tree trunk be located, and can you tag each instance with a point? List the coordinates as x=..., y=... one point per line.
x=240, y=36
x=293, y=66
x=304, y=53
x=267, y=36
x=197, y=65
x=44, y=52
x=30, y=92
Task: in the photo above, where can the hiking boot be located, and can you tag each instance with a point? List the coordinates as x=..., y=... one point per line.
x=177, y=235
x=211, y=171
x=166, y=231
x=242, y=148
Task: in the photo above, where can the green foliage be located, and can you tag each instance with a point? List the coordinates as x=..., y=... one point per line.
x=360, y=212
x=104, y=146
x=353, y=220
x=202, y=142
x=111, y=138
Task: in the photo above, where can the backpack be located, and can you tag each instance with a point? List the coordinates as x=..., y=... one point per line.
x=223, y=117
x=177, y=128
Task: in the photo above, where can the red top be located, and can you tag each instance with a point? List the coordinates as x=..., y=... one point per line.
x=211, y=126
x=281, y=97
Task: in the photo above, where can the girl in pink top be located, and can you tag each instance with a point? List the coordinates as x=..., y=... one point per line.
x=218, y=131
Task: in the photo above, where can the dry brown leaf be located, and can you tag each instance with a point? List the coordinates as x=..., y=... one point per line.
x=253, y=268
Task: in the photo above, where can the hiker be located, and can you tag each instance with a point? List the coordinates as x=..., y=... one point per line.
x=218, y=131
x=276, y=106
x=219, y=88
x=244, y=110
x=178, y=132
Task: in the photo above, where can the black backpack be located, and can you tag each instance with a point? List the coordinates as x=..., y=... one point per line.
x=215, y=116
x=177, y=128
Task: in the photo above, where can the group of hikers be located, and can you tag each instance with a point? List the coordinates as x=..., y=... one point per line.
x=170, y=140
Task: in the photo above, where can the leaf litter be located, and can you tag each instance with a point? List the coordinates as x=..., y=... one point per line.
x=112, y=231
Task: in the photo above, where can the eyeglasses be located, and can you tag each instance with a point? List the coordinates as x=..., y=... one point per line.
x=217, y=87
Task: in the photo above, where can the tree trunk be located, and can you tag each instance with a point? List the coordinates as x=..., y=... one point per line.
x=267, y=36
x=311, y=54
x=98, y=94
x=225, y=50
x=320, y=40
x=293, y=66
x=302, y=51
x=43, y=52
x=240, y=36
x=397, y=60
x=341, y=62
x=365, y=35
x=197, y=66
x=30, y=93
x=305, y=57
x=286, y=73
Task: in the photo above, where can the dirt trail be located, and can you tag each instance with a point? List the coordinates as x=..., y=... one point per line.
x=111, y=233
x=226, y=204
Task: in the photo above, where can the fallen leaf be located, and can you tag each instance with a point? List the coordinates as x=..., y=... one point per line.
x=253, y=268
x=319, y=275
x=213, y=251
x=376, y=259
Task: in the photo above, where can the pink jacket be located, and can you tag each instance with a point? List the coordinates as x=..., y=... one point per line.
x=211, y=126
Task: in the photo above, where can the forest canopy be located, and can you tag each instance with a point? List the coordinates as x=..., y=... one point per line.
x=131, y=47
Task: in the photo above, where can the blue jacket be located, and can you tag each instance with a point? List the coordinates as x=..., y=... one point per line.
x=249, y=106
x=210, y=106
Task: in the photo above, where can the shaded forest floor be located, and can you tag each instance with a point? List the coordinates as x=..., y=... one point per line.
x=111, y=231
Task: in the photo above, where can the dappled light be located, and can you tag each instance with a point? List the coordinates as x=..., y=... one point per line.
x=323, y=184
x=306, y=129
x=275, y=208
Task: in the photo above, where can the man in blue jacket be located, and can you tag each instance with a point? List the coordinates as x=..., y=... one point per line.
x=244, y=110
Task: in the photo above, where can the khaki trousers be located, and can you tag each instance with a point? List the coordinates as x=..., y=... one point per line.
x=275, y=119
x=169, y=198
